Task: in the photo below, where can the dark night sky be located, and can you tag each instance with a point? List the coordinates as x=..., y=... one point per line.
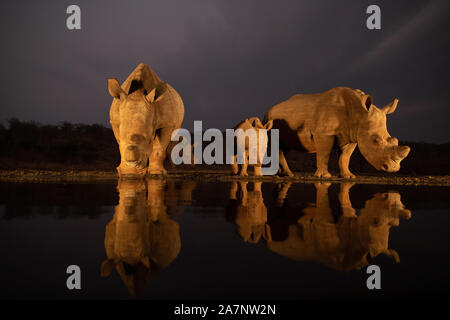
x=228, y=59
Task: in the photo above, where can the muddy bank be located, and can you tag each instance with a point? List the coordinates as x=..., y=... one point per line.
x=210, y=176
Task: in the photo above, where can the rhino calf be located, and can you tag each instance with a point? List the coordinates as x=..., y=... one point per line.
x=248, y=212
x=246, y=146
x=144, y=113
x=312, y=122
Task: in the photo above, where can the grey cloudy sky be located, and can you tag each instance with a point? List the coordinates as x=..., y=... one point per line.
x=227, y=59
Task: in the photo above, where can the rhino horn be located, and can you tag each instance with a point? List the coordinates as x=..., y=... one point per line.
x=389, y=108
x=403, y=151
x=151, y=95
x=392, y=254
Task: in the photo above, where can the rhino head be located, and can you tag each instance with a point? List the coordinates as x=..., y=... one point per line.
x=136, y=126
x=379, y=214
x=376, y=145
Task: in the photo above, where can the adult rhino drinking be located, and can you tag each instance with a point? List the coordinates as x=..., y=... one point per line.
x=144, y=113
x=312, y=122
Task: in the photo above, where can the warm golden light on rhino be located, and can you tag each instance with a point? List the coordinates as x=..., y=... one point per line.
x=312, y=123
x=144, y=113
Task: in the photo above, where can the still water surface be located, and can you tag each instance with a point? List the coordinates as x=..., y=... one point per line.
x=166, y=239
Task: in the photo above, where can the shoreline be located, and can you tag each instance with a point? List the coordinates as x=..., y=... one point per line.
x=212, y=175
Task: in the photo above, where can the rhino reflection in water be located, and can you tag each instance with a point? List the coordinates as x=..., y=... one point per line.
x=351, y=241
x=248, y=211
x=141, y=239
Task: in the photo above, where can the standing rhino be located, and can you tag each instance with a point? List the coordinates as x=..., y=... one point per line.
x=310, y=122
x=144, y=113
x=251, y=147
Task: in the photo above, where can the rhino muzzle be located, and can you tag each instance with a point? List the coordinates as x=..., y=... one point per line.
x=131, y=154
x=393, y=164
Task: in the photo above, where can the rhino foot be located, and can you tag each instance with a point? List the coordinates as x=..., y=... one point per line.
x=158, y=171
x=322, y=174
x=287, y=173
x=347, y=175
x=349, y=213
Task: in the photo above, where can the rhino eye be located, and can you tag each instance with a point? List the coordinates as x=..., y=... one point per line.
x=377, y=140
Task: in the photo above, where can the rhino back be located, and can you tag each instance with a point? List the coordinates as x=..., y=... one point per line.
x=325, y=112
x=170, y=109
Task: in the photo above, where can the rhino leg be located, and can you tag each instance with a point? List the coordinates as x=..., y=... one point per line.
x=233, y=190
x=282, y=193
x=344, y=199
x=234, y=165
x=283, y=163
x=324, y=145
x=244, y=165
x=158, y=155
x=344, y=160
x=244, y=194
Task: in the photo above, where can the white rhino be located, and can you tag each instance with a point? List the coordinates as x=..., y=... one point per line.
x=257, y=146
x=312, y=122
x=144, y=113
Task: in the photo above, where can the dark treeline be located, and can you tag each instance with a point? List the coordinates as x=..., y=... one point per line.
x=29, y=145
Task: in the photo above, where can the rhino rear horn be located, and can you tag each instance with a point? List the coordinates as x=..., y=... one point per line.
x=115, y=90
x=389, y=108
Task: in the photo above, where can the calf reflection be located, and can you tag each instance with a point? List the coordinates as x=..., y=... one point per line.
x=345, y=241
x=248, y=211
x=141, y=239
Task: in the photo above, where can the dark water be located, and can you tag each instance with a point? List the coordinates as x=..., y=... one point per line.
x=190, y=240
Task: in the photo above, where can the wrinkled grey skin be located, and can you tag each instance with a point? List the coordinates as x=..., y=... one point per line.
x=312, y=123
x=144, y=113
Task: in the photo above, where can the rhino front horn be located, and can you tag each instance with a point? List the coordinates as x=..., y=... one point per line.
x=403, y=151
x=388, y=109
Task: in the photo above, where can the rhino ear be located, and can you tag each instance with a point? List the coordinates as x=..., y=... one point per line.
x=106, y=268
x=146, y=262
x=151, y=95
x=115, y=90
x=268, y=125
x=366, y=101
x=389, y=108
